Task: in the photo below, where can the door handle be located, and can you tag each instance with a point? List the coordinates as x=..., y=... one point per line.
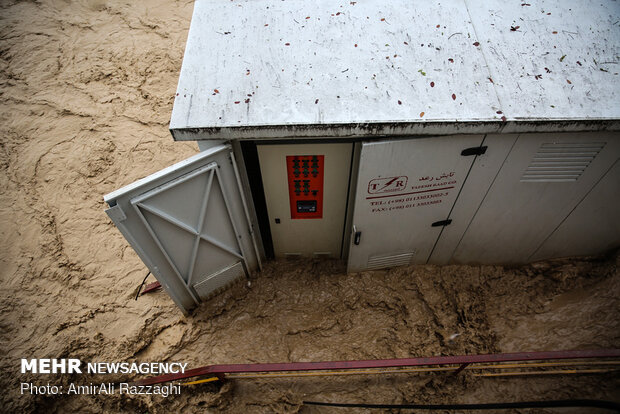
x=357, y=237
x=442, y=223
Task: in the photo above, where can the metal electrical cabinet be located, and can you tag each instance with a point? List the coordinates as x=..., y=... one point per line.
x=592, y=227
x=403, y=188
x=538, y=189
x=485, y=199
x=381, y=137
x=306, y=188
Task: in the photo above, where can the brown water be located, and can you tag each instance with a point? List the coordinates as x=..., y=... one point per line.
x=86, y=93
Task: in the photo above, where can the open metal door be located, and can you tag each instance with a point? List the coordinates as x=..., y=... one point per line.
x=189, y=224
x=405, y=193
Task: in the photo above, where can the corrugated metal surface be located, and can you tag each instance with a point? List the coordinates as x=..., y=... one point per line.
x=298, y=68
x=213, y=283
x=380, y=262
x=561, y=162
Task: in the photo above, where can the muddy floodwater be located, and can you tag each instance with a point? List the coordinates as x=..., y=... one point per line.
x=86, y=95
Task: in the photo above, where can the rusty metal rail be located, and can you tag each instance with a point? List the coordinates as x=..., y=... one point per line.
x=459, y=363
x=150, y=288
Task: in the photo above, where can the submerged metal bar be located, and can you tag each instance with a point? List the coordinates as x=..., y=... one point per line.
x=221, y=370
x=461, y=368
x=150, y=287
x=554, y=372
x=499, y=366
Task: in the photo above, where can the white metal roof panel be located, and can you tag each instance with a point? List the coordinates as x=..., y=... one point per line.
x=255, y=68
x=561, y=62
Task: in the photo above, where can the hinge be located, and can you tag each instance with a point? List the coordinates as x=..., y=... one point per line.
x=474, y=151
x=442, y=223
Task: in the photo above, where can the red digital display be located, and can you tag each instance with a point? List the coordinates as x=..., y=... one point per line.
x=305, y=185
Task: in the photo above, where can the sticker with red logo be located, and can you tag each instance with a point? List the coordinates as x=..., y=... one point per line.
x=387, y=185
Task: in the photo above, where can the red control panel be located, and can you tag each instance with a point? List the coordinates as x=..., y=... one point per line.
x=305, y=185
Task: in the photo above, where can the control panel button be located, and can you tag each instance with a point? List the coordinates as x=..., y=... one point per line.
x=305, y=182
